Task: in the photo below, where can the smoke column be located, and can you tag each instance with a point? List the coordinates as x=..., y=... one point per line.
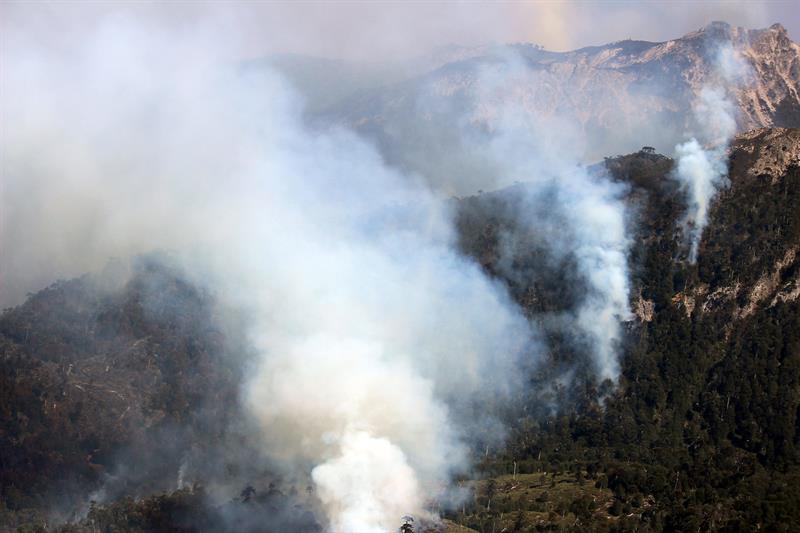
x=598, y=225
x=375, y=337
x=575, y=213
x=376, y=340
x=702, y=169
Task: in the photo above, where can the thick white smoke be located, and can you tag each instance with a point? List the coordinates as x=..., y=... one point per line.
x=376, y=339
x=372, y=477
x=374, y=336
x=597, y=215
x=702, y=166
x=576, y=214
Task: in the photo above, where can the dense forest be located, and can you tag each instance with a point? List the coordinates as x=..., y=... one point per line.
x=702, y=431
x=132, y=365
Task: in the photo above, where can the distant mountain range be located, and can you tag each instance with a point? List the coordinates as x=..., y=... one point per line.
x=620, y=95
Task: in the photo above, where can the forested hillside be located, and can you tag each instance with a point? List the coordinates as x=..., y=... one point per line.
x=121, y=385
x=701, y=433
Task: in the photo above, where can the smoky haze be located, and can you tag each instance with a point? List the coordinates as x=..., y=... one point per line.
x=702, y=166
x=374, y=337
x=391, y=30
x=376, y=341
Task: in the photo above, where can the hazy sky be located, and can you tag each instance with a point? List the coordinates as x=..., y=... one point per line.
x=375, y=30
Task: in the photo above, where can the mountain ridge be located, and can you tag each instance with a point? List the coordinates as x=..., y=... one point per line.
x=770, y=50
x=611, y=96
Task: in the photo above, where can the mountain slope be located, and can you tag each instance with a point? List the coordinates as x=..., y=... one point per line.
x=123, y=387
x=703, y=431
x=617, y=94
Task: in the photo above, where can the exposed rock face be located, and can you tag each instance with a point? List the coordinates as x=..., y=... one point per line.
x=644, y=309
x=769, y=151
x=768, y=283
x=774, y=99
x=718, y=297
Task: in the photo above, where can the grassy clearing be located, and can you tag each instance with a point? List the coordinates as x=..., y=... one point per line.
x=529, y=502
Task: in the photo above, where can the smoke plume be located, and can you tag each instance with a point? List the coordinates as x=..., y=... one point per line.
x=702, y=166
x=375, y=338
x=573, y=214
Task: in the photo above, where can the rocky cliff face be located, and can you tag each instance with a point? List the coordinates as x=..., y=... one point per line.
x=773, y=100
x=767, y=151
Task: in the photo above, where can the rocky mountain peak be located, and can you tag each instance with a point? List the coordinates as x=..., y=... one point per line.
x=772, y=96
x=620, y=94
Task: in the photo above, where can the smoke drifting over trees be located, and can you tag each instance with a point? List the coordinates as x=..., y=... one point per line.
x=374, y=336
x=375, y=354
x=701, y=170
